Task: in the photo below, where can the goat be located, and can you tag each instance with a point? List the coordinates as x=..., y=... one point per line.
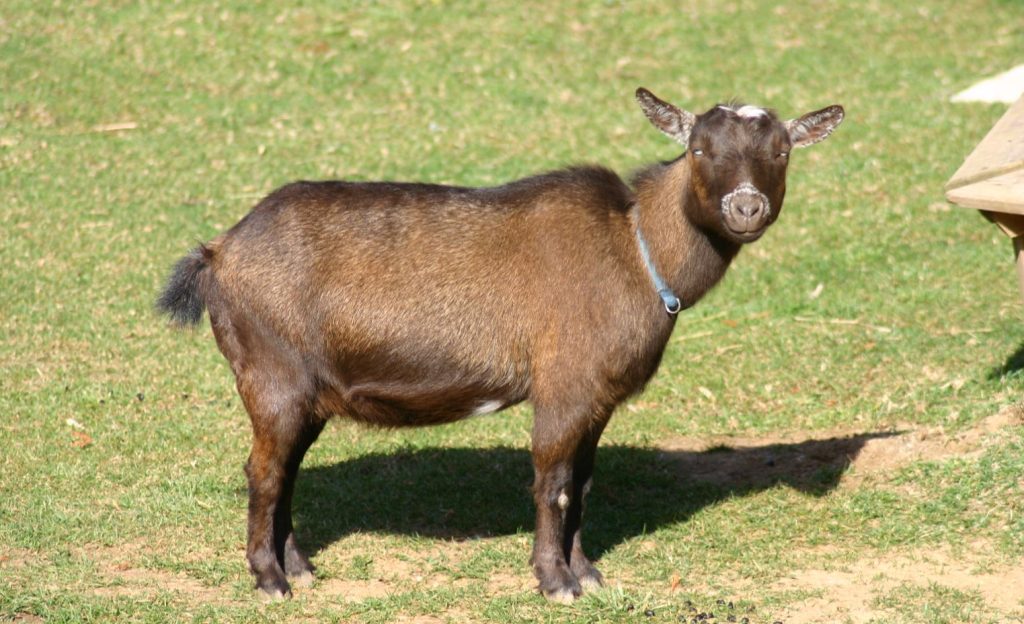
x=400, y=304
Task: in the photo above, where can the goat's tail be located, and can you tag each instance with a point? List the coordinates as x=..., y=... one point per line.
x=184, y=297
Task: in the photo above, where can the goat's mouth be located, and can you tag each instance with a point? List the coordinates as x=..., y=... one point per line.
x=745, y=235
x=742, y=228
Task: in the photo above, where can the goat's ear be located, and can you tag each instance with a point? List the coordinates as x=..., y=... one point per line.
x=814, y=127
x=673, y=121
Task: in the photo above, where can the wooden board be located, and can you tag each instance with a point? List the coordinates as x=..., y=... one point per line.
x=1001, y=193
x=999, y=153
x=992, y=179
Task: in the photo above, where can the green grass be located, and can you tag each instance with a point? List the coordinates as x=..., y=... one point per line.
x=137, y=512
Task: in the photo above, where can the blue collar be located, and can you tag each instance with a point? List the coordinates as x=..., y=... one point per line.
x=672, y=303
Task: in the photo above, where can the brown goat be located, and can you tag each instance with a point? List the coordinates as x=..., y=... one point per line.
x=415, y=304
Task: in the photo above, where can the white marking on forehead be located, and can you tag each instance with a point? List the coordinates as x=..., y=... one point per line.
x=752, y=111
x=746, y=111
x=563, y=501
x=487, y=407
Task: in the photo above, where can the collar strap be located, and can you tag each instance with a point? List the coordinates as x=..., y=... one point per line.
x=672, y=303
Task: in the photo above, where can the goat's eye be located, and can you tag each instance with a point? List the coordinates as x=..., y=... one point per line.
x=698, y=152
x=783, y=155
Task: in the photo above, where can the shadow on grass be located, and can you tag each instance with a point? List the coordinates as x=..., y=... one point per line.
x=460, y=493
x=1011, y=366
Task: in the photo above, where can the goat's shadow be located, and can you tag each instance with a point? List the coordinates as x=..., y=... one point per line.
x=460, y=493
x=1014, y=363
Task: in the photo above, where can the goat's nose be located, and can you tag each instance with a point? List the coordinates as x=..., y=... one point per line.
x=748, y=205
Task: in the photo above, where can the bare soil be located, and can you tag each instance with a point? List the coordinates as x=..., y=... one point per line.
x=803, y=458
x=122, y=576
x=849, y=592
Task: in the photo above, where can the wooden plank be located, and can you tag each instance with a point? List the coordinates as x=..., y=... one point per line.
x=1000, y=152
x=1003, y=193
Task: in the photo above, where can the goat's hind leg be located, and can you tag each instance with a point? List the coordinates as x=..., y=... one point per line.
x=297, y=567
x=283, y=429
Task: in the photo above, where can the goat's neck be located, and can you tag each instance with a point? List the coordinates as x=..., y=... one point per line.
x=689, y=258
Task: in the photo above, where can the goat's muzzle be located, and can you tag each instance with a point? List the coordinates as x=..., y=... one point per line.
x=746, y=212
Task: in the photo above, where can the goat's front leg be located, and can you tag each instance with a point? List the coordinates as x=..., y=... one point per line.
x=563, y=456
x=582, y=478
x=551, y=486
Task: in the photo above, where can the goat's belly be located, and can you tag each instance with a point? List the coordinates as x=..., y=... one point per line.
x=398, y=404
x=406, y=375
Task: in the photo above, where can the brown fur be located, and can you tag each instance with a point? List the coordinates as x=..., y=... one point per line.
x=414, y=304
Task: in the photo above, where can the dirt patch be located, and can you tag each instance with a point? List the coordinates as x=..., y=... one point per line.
x=849, y=593
x=809, y=461
x=354, y=591
x=123, y=577
x=420, y=619
x=882, y=455
x=454, y=616
x=502, y=583
x=415, y=569
x=146, y=582
x=113, y=555
x=17, y=558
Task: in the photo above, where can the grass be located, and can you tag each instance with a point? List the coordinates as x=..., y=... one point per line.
x=122, y=495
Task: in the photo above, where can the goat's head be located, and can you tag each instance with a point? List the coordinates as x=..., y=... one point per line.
x=738, y=157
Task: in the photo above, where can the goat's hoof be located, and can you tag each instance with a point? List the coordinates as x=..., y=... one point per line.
x=561, y=586
x=562, y=595
x=273, y=590
x=592, y=581
x=273, y=595
x=296, y=565
x=587, y=575
x=302, y=579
